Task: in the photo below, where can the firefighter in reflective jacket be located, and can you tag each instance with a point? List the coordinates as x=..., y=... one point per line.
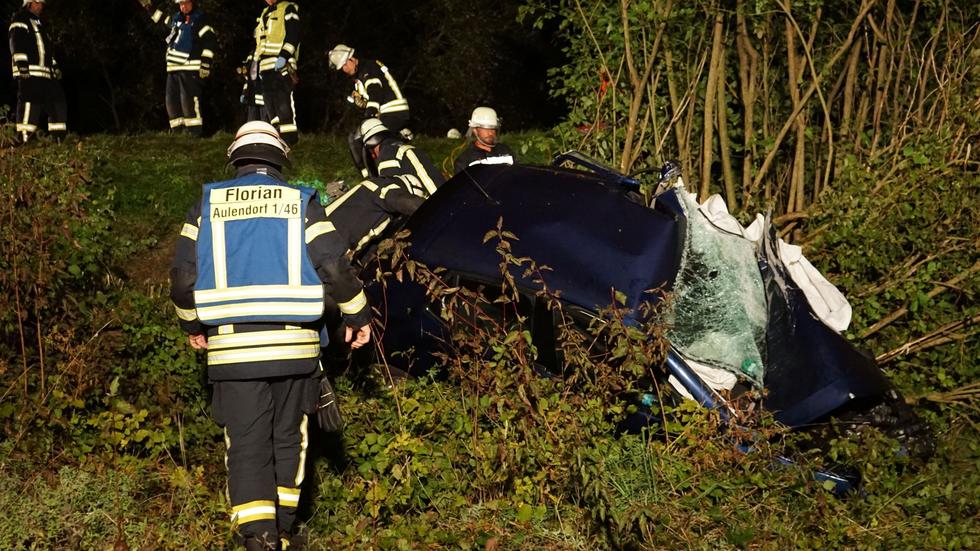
x=40, y=97
x=251, y=96
x=485, y=148
x=375, y=89
x=367, y=209
x=274, y=63
x=191, y=43
x=249, y=277
x=385, y=155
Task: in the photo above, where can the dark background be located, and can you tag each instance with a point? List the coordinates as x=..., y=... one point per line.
x=447, y=55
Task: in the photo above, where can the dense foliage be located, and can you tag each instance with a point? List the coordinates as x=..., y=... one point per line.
x=118, y=449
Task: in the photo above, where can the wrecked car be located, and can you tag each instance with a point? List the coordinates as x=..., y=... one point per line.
x=748, y=310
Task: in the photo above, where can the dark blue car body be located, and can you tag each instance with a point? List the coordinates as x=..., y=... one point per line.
x=595, y=238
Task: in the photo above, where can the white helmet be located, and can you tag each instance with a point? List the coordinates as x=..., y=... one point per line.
x=26, y=2
x=339, y=55
x=484, y=117
x=373, y=131
x=258, y=141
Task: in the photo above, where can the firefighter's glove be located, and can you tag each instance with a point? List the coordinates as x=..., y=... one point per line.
x=280, y=63
x=357, y=99
x=205, y=72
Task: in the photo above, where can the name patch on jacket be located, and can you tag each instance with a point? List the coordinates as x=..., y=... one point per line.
x=240, y=203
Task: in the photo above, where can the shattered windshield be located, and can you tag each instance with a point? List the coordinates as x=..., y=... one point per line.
x=719, y=310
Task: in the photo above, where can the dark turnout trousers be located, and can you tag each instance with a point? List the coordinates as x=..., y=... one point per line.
x=277, y=94
x=266, y=433
x=40, y=102
x=184, y=101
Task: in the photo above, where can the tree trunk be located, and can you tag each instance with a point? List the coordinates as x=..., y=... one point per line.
x=709, y=105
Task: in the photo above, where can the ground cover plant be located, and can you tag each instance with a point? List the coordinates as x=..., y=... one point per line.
x=108, y=440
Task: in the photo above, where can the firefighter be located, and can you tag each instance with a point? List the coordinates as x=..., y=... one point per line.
x=485, y=149
x=370, y=207
x=385, y=155
x=40, y=97
x=249, y=279
x=275, y=61
x=375, y=89
x=191, y=42
x=251, y=96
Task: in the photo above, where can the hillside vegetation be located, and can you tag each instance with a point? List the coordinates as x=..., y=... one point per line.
x=107, y=441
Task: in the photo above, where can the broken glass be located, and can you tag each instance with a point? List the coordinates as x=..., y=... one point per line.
x=719, y=307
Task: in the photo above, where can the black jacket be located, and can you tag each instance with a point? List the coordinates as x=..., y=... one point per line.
x=473, y=155
x=368, y=208
x=30, y=50
x=396, y=157
x=378, y=88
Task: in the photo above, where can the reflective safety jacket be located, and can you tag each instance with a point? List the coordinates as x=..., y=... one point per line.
x=396, y=157
x=277, y=35
x=473, y=155
x=253, y=265
x=368, y=208
x=191, y=40
x=30, y=55
x=377, y=89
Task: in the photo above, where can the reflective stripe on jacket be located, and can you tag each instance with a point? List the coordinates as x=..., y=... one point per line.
x=30, y=54
x=191, y=40
x=251, y=254
x=378, y=87
x=277, y=35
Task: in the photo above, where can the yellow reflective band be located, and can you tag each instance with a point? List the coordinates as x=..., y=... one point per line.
x=246, y=292
x=386, y=189
x=318, y=229
x=289, y=47
x=372, y=234
x=204, y=29
x=392, y=83
x=226, y=329
x=253, y=511
x=207, y=53
x=193, y=122
x=260, y=338
x=185, y=314
x=18, y=26
x=27, y=117
x=373, y=105
x=261, y=310
x=420, y=172
x=179, y=121
x=350, y=193
x=385, y=165
x=355, y=304
x=283, y=128
x=189, y=231
x=57, y=126
x=264, y=354
x=157, y=14
x=292, y=16
x=304, y=442
x=368, y=184
x=371, y=81
x=20, y=57
x=288, y=497
x=394, y=106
